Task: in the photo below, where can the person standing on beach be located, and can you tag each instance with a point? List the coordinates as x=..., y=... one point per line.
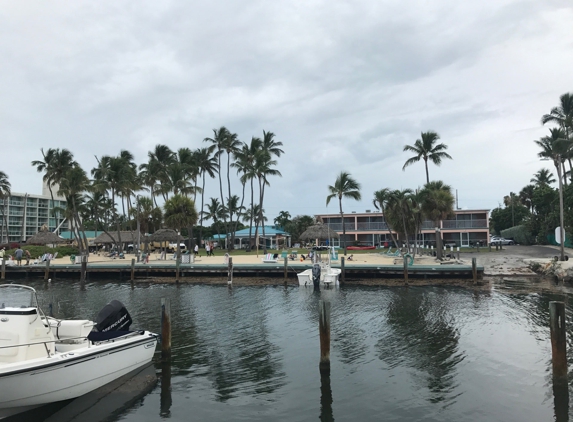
x=28, y=256
x=196, y=250
x=207, y=249
x=19, y=252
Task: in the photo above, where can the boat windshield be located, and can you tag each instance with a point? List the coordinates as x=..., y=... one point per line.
x=17, y=296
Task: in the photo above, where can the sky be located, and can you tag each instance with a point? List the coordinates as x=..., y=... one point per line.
x=343, y=84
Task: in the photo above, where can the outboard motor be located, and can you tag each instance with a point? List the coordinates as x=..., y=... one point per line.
x=113, y=317
x=316, y=276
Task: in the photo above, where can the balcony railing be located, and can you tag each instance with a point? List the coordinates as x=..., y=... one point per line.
x=464, y=224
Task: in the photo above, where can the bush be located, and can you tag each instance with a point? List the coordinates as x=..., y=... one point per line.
x=519, y=234
x=38, y=251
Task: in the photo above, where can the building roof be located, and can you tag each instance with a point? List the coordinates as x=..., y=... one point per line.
x=269, y=231
x=90, y=234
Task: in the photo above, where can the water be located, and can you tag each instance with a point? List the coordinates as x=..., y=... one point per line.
x=398, y=354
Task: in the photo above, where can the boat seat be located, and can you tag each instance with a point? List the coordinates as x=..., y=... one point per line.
x=66, y=329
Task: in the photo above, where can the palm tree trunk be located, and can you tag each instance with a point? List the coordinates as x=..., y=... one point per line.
x=561, y=219
x=230, y=228
x=563, y=175
x=427, y=173
x=119, y=244
x=388, y=226
x=343, y=225
x=240, y=208
x=201, y=212
x=252, y=211
x=222, y=199
x=262, y=190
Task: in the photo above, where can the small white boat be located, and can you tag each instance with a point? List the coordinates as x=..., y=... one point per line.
x=45, y=360
x=328, y=275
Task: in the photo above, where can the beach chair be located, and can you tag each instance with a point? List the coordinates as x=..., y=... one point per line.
x=268, y=259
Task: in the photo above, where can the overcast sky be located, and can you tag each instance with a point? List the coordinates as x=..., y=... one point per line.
x=343, y=84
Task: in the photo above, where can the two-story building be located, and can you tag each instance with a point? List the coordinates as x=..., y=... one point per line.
x=465, y=228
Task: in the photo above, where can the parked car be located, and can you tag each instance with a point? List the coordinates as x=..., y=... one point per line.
x=501, y=241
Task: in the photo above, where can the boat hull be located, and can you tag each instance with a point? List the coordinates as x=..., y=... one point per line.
x=72, y=374
x=326, y=278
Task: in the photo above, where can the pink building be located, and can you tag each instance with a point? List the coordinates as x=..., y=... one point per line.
x=466, y=228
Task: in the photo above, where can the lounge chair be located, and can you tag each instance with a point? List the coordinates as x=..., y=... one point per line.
x=268, y=259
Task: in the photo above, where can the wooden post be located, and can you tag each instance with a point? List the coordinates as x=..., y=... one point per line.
x=165, y=328
x=342, y=270
x=458, y=253
x=3, y=268
x=490, y=247
x=132, y=269
x=286, y=269
x=324, y=330
x=406, y=270
x=84, y=267
x=47, y=273
x=558, y=340
x=230, y=271
x=177, y=263
x=474, y=270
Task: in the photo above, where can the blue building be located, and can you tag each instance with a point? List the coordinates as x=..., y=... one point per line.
x=274, y=238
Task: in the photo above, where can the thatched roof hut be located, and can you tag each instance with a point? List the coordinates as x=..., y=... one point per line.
x=164, y=235
x=44, y=237
x=319, y=231
x=126, y=236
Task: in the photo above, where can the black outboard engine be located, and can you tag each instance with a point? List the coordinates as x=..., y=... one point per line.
x=316, y=276
x=113, y=317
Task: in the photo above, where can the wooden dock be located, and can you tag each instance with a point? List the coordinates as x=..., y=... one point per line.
x=352, y=272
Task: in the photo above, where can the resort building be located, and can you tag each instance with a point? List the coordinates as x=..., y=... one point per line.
x=465, y=228
x=274, y=238
x=23, y=214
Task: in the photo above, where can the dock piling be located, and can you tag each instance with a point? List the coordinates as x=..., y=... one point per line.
x=3, y=268
x=177, y=264
x=286, y=269
x=474, y=270
x=324, y=330
x=230, y=271
x=47, y=272
x=165, y=328
x=405, y=270
x=558, y=340
x=342, y=270
x=132, y=269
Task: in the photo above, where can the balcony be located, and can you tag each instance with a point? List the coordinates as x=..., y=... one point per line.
x=464, y=224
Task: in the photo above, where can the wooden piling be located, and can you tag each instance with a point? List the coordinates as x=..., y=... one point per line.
x=558, y=340
x=177, y=264
x=342, y=270
x=132, y=269
x=324, y=331
x=286, y=269
x=47, y=272
x=405, y=270
x=84, y=267
x=165, y=328
x=474, y=270
x=3, y=268
x=230, y=271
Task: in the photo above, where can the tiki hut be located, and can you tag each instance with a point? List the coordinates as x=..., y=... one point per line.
x=45, y=237
x=319, y=231
x=126, y=236
x=164, y=235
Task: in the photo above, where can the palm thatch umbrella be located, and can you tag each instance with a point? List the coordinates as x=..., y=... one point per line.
x=164, y=235
x=319, y=231
x=126, y=236
x=45, y=237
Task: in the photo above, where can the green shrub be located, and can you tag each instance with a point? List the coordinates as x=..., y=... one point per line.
x=38, y=251
x=519, y=234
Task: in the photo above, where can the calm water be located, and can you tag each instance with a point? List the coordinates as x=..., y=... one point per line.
x=417, y=354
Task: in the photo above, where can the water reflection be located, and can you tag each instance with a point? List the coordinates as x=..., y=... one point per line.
x=165, y=400
x=326, y=414
x=422, y=335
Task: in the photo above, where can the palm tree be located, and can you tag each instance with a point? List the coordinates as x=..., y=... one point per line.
x=554, y=148
x=543, y=177
x=562, y=115
x=381, y=198
x=245, y=160
x=5, y=191
x=437, y=202
x=263, y=168
x=526, y=196
x=55, y=166
x=344, y=187
x=400, y=209
x=207, y=165
x=154, y=172
x=180, y=212
x=216, y=212
x=427, y=149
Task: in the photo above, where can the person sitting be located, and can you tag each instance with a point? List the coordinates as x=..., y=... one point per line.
x=351, y=258
x=292, y=257
x=302, y=257
x=276, y=256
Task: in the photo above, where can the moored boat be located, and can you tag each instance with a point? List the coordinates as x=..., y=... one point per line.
x=45, y=360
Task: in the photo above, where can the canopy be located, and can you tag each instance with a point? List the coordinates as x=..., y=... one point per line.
x=164, y=235
x=126, y=236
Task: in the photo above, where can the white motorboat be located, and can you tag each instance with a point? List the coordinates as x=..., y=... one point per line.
x=45, y=360
x=327, y=275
